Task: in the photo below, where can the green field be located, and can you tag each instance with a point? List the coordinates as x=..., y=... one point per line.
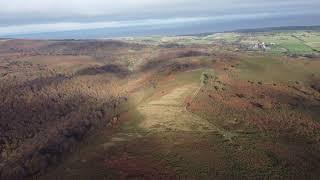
x=278, y=43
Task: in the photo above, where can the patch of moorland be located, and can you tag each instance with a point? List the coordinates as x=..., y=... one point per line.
x=199, y=108
x=271, y=115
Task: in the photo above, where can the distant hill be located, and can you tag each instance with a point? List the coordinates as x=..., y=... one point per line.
x=284, y=28
x=266, y=29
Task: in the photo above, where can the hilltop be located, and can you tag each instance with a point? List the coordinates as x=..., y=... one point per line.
x=219, y=105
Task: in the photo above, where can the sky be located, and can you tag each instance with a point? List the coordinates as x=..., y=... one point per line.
x=46, y=16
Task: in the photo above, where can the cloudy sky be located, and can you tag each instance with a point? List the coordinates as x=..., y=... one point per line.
x=37, y=16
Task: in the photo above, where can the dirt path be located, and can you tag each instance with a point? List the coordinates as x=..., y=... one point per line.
x=168, y=113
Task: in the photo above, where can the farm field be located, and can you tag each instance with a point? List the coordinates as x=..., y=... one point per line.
x=214, y=106
x=278, y=43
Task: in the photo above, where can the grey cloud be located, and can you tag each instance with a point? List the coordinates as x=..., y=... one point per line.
x=55, y=9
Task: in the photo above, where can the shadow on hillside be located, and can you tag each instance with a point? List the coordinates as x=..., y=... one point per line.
x=170, y=61
x=40, y=130
x=116, y=70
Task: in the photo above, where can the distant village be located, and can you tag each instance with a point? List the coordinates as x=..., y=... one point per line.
x=262, y=46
